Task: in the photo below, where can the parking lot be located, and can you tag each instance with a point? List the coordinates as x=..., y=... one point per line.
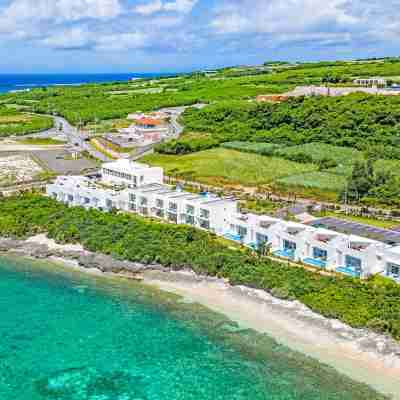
x=62, y=163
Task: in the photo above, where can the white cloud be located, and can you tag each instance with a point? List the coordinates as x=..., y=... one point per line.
x=20, y=11
x=121, y=42
x=180, y=6
x=149, y=8
x=75, y=38
x=276, y=16
x=155, y=6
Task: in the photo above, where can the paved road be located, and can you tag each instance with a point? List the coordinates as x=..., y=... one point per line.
x=77, y=139
x=175, y=113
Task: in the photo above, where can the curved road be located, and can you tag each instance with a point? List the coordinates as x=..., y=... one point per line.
x=78, y=139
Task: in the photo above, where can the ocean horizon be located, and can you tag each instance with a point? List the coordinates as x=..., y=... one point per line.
x=19, y=82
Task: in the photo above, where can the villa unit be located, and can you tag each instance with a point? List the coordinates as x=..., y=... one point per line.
x=179, y=207
x=83, y=192
x=130, y=174
x=370, y=82
x=138, y=188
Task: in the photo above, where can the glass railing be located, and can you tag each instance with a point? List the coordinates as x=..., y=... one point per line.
x=351, y=271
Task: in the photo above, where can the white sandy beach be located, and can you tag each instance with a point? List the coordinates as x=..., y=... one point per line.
x=290, y=324
x=350, y=351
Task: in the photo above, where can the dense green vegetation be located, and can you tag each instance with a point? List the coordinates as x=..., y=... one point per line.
x=13, y=122
x=357, y=120
x=372, y=304
x=355, y=126
x=93, y=102
x=369, y=184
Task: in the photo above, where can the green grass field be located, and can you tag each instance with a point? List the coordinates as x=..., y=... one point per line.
x=319, y=151
x=41, y=141
x=223, y=166
x=17, y=123
x=315, y=180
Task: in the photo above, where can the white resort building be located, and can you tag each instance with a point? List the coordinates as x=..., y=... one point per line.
x=131, y=174
x=138, y=188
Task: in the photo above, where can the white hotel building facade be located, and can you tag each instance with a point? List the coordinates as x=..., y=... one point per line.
x=138, y=188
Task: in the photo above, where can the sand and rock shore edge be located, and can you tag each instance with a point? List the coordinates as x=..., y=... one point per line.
x=362, y=355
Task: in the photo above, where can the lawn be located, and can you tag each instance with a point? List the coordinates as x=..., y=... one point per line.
x=223, y=166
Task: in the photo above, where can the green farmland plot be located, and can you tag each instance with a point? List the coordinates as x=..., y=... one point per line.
x=323, y=181
x=224, y=166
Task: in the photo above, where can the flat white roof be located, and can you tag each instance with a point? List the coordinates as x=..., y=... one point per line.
x=126, y=165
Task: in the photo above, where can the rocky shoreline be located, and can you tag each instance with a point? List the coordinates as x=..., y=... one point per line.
x=379, y=354
x=84, y=259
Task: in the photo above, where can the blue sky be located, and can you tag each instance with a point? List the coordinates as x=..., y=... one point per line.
x=180, y=35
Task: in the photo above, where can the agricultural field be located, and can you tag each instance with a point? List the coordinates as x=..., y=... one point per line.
x=299, y=169
x=13, y=122
x=251, y=147
x=228, y=167
x=319, y=152
x=323, y=181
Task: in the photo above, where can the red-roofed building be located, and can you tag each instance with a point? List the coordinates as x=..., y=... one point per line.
x=148, y=122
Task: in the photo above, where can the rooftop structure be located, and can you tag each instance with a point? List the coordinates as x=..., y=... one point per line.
x=130, y=174
x=384, y=235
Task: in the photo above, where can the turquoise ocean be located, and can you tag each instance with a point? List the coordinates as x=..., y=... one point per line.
x=65, y=335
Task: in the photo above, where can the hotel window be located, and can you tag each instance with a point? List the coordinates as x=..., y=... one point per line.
x=132, y=197
x=159, y=203
x=173, y=207
x=143, y=201
x=288, y=245
x=172, y=217
x=394, y=270
x=242, y=231
x=261, y=239
x=205, y=214
x=190, y=219
x=190, y=210
x=353, y=263
x=204, y=224
x=320, y=254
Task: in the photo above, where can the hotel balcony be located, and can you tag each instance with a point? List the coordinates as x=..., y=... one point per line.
x=350, y=271
x=235, y=237
x=315, y=262
x=285, y=253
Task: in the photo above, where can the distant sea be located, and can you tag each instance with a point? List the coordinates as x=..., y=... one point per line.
x=11, y=82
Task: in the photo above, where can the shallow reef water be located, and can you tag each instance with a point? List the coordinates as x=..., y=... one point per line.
x=65, y=335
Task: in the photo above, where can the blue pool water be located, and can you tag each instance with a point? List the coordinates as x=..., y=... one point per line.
x=69, y=336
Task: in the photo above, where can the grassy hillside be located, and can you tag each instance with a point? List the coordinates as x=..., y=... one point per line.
x=228, y=167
